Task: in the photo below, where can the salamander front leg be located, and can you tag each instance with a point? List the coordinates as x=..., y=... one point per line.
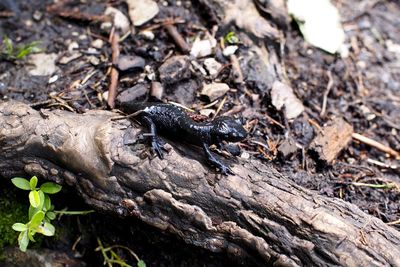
x=215, y=162
x=155, y=142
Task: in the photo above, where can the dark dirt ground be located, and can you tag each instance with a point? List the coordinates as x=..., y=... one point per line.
x=365, y=91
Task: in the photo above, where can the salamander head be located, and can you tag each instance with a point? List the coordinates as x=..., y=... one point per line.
x=228, y=129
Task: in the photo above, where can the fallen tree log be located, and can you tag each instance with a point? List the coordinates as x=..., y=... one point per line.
x=257, y=213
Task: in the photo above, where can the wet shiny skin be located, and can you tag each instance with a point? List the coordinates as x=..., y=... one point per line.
x=173, y=122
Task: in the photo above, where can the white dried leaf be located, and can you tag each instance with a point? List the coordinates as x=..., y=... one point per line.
x=43, y=64
x=203, y=48
x=319, y=22
x=282, y=96
x=121, y=22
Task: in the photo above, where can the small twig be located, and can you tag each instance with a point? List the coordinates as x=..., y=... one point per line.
x=127, y=116
x=73, y=248
x=125, y=36
x=181, y=106
x=211, y=104
x=41, y=103
x=376, y=144
x=90, y=75
x=163, y=22
x=274, y=121
x=327, y=91
x=177, y=37
x=393, y=222
x=378, y=186
x=59, y=9
x=382, y=164
x=260, y=144
x=112, y=90
x=6, y=14
x=234, y=110
x=236, y=70
x=221, y=105
x=315, y=124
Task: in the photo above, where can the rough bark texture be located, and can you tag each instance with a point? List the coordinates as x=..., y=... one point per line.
x=258, y=212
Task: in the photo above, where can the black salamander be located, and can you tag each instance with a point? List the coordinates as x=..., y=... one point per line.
x=173, y=122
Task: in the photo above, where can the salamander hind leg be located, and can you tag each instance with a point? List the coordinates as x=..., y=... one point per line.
x=215, y=162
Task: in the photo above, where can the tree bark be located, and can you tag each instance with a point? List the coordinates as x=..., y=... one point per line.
x=257, y=212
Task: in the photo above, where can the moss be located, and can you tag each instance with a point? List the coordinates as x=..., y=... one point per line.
x=12, y=210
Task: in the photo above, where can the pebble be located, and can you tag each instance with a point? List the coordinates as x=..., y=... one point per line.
x=94, y=60
x=156, y=90
x=105, y=95
x=175, y=69
x=135, y=93
x=141, y=11
x=148, y=35
x=245, y=155
x=37, y=15
x=203, y=48
x=73, y=46
x=129, y=63
x=150, y=74
x=230, y=50
x=53, y=79
x=214, y=90
x=98, y=43
x=212, y=66
x=66, y=59
x=92, y=51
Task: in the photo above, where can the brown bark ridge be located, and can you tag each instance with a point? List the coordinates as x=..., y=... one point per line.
x=257, y=212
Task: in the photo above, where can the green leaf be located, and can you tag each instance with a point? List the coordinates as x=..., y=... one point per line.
x=33, y=182
x=9, y=47
x=50, y=188
x=23, y=241
x=47, y=229
x=36, y=220
x=41, y=199
x=231, y=38
x=141, y=264
x=51, y=215
x=47, y=202
x=21, y=183
x=27, y=49
x=34, y=198
x=19, y=227
x=32, y=211
x=30, y=235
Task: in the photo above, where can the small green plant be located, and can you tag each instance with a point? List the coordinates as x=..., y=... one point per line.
x=41, y=211
x=231, y=38
x=11, y=52
x=111, y=257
